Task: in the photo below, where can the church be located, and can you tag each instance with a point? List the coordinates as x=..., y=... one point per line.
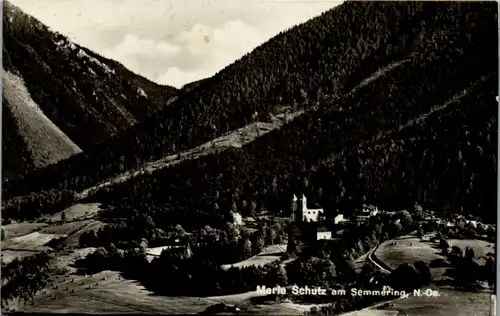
x=301, y=213
x=308, y=222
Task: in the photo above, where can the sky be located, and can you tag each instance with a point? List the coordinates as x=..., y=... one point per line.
x=173, y=42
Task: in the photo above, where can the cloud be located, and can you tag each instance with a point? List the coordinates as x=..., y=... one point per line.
x=172, y=42
x=211, y=48
x=133, y=45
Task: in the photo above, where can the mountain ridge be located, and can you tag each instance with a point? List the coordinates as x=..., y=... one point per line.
x=287, y=69
x=88, y=97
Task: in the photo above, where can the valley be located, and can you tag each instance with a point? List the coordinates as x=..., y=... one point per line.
x=335, y=156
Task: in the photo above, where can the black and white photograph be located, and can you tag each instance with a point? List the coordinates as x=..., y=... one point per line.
x=249, y=157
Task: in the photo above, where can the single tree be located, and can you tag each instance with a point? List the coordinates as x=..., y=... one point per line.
x=253, y=209
x=469, y=253
x=258, y=245
x=443, y=244
x=271, y=236
x=291, y=247
x=247, y=248
x=281, y=277
x=420, y=233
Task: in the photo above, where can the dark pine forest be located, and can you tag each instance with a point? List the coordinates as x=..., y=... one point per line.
x=400, y=109
x=326, y=56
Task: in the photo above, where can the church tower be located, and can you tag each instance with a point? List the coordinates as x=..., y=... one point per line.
x=294, y=216
x=304, y=204
x=302, y=207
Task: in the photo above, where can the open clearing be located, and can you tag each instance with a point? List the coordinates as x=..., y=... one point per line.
x=32, y=241
x=107, y=292
x=449, y=303
x=268, y=255
x=64, y=228
x=481, y=248
x=11, y=255
x=51, y=224
x=18, y=229
x=234, y=139
x=74, y=239
x=372, y=312
x=77, y=212
x=244, y=301
x=154, y=252
x=407, y=249
x=26, y=239
x=26, y=245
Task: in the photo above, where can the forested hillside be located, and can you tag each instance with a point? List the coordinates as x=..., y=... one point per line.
x=326, y=56
x=87, y=97
x=422, y=130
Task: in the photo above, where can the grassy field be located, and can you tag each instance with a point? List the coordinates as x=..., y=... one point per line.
x=26, y=239
x=407, y=249
x=31, y=241
x=18, y=229
x=481, y=248
x=108, y=292
x=268, y=255
x=77, y=212
x=74, y=238
x=10, y=255
x=64, y=228
x=372, y=312
x=154, y=252
x=449, y=303
x=25, y=245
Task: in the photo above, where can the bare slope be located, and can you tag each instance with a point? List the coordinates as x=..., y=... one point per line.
x=45, y=143
x=88, y=97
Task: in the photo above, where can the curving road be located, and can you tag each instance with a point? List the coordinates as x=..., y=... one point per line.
x=374, y=261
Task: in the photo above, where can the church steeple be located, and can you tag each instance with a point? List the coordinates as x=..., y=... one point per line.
x=293, y=216
x=304, y=202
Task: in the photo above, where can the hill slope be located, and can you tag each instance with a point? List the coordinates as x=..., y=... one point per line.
x=44, y=142
x=422, y=129
x=427, y=54
x=87, y=97
x=327, y=55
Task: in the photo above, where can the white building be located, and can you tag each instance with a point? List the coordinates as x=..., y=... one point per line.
x=339, y=218
x=237, y=219
x=473, y=223
x=323, y=235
